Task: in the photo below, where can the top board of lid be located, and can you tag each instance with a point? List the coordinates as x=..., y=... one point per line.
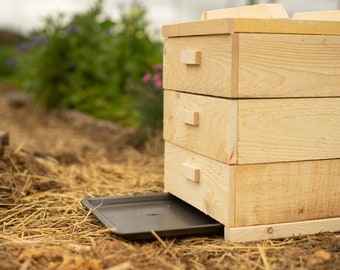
x=261, y=11
x=329, y=15
x=263, y=18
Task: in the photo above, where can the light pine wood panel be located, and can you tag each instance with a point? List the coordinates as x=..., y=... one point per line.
x=286, y=192
x=246, y=25
x=214, y=135
x=255, y=65
x=212, y=194
x=281, y=230
x=248, y=195
x=288, y=65
x=275, y=130
x=329, y=15
x=263, y=11
x=248, y=131
x=284, y=26
x=198, y=28
x=211, y=76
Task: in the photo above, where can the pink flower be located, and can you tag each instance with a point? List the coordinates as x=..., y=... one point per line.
x=158, y=80
x=157, y=67
x=146, y=77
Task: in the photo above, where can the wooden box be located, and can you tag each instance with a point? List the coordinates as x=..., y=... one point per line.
x=252, y=122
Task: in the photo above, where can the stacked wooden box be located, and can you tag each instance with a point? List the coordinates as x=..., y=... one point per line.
x=252, y=122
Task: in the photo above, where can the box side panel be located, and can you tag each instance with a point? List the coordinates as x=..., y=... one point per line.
x=212, y=192
x=275, y=130
x=282, y=65
x=211, y=76
x=205, y=125
x=286, y=192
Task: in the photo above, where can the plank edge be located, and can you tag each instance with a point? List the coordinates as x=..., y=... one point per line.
x=281, y=230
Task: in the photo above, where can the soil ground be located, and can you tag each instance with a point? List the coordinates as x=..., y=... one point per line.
x=56, y=158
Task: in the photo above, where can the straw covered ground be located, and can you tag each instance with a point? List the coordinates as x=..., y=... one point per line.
x=57, y=158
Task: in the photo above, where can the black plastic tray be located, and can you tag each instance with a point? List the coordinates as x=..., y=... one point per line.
x=134, y=217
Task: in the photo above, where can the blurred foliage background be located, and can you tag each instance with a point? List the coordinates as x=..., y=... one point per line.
x=110, y=69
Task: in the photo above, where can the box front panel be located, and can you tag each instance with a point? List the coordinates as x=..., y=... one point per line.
x=204, y=183
x=210, y=75
x=205, y=125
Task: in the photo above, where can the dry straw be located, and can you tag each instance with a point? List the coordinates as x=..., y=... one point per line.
x=44, y=226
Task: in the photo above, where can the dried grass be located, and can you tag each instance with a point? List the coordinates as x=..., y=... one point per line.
x=44, y=226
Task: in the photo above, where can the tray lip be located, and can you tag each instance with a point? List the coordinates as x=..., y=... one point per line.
x=135, y=197
x=144, y=235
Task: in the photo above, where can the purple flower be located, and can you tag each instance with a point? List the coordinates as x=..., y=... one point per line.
x=11, y=62
x=24, y=47
x=146, y=77
x=110, y=31
x=72, y=30
x=39, y=41
x=29, y=45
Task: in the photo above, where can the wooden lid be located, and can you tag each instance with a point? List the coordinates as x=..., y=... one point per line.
x=242, y=25
x=265, y=18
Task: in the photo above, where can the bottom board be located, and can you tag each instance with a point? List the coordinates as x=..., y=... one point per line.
x=281, y=230
x=134, y=217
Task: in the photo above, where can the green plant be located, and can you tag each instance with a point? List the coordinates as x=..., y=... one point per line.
x=149, y=101
x=89, y=63
x=9, y=61
x=252, y=2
